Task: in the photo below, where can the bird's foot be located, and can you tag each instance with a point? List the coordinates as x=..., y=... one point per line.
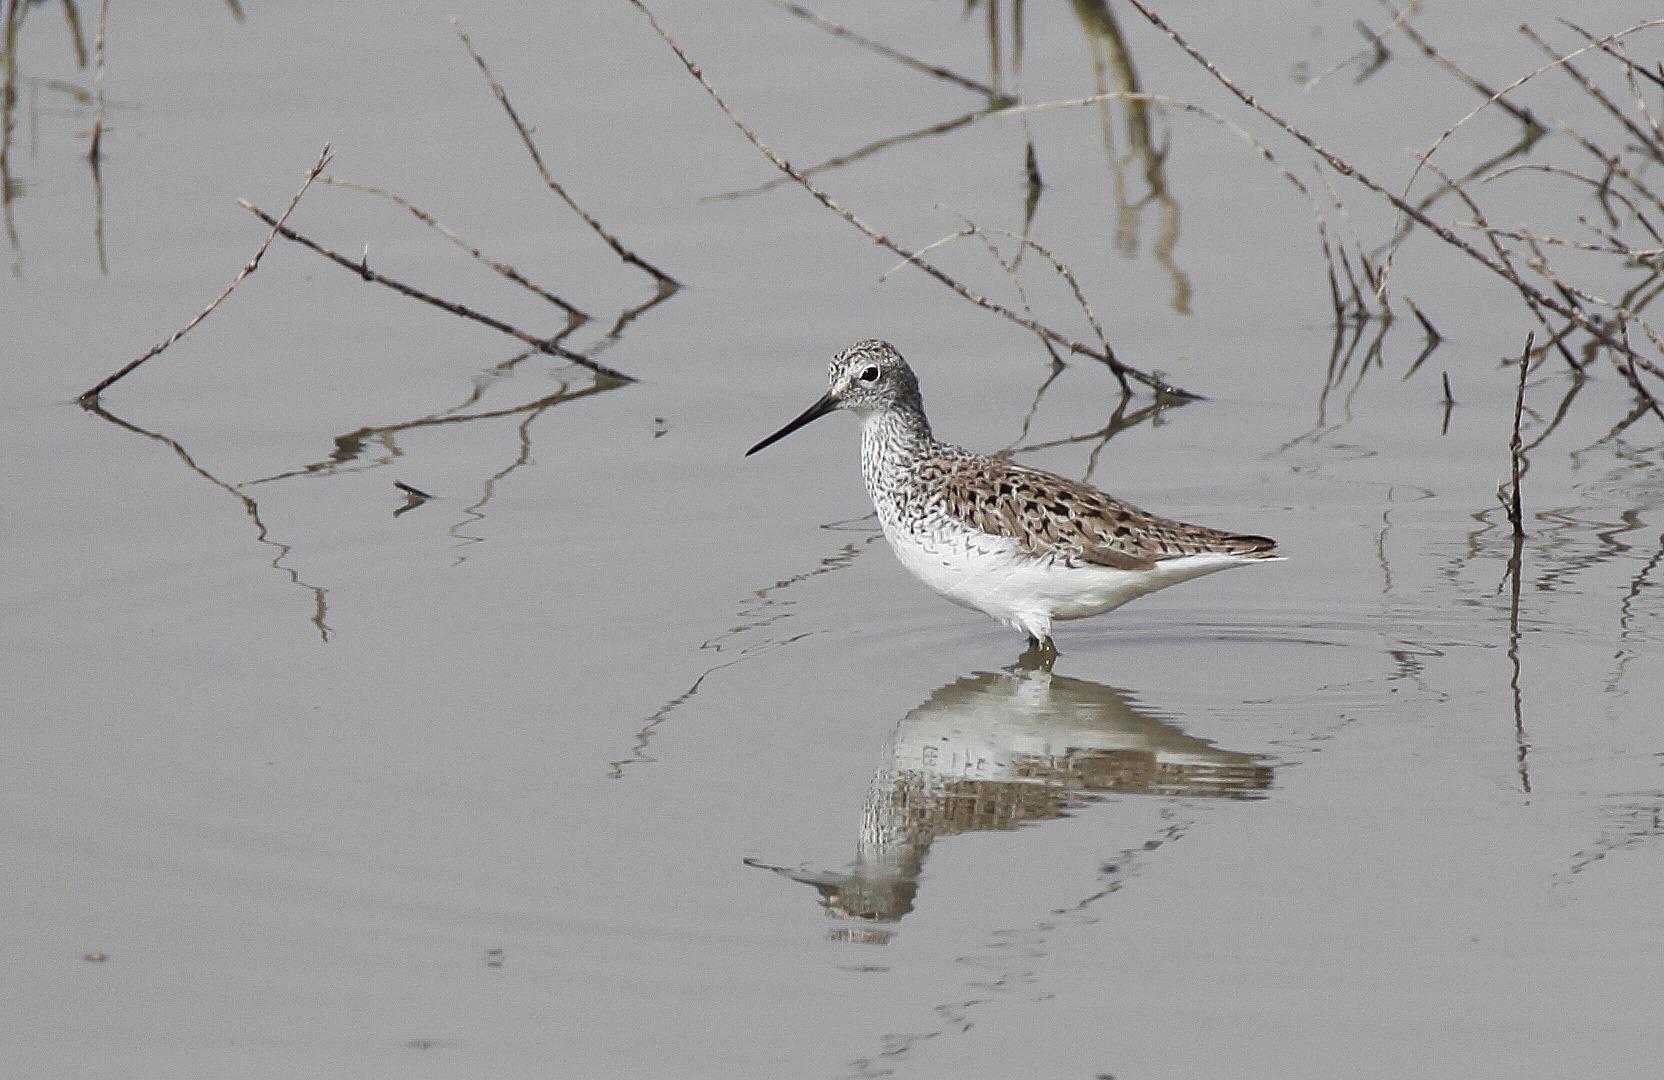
x=1039, y=656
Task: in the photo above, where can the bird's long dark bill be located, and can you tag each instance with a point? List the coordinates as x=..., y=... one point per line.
x=812, y=413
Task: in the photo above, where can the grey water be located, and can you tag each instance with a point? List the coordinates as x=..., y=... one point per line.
x=615, y=754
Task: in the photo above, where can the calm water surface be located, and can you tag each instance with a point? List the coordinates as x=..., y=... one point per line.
x=624, y=756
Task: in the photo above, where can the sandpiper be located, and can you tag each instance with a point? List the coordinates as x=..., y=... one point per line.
x=1023, y=545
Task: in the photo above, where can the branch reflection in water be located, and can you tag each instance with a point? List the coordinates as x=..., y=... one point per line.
x=320, y=607
x=1002, y=750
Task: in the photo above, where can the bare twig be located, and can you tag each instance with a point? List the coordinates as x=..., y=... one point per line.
x=1012, y=268
x=1063, y=271
x=572, y=311
x=1516, y=447
x=1503, y=254
x=858, y=154
x=1259, y=147
x=884, y=50
x=1612, y=246
x=1426, y=324
x=666, y=283
x=90, y=397
x=1510, y=88
x=1591, y=89
x=1633, y=377
x=1360, y=305
x=1154, y=382
x=1621, y=314
x=1631, y=70
x=1518, y=112
x=361, y=267
x=1560, y=306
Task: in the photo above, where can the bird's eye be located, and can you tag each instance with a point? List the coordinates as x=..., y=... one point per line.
x=870, y=375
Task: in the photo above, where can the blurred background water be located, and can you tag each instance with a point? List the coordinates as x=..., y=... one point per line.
x=304, y=776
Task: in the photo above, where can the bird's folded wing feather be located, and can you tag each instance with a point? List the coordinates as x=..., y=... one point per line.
x=1046, y=513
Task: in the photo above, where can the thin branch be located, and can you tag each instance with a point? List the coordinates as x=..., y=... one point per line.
x=90, y=397
x=1443, y=232
x=1068, y=275
x=1518, y=112
x=577, y=315
x=361, y=267
x=884, y=50
x=1510, y=88
x=1631, y=69
x=1621, y=314
x=858, y=154
x=1532, y=132
x=1426, y=324
x=1516, y=448
x=1011, y=268
x=666, y=283
x=1591, y=89
x=1630, y=66
x=1360, y=306
x=1155, y=383
x=1260, y=148
x=1502, y=253
x=1612, y=246
x=1633, y=377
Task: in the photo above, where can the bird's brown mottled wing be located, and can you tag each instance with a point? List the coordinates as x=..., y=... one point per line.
x=1048, y=513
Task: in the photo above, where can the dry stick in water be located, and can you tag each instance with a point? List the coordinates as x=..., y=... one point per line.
x=860, y=153
x=1401, y=20
x=1426, y=323
x=1624, y=317
x=573, y=313
x=1634, y=379
x=973, y=229
x=1426, y=156
x=90, y=397
x=1591, y=89
x=1516, y=446
x=666, y=283
x=1010, y=267
x=1506, y=256
x=361, y=267
x=1329, y=249
x=1575, y=313
x=1121, y=370
x=884, y=50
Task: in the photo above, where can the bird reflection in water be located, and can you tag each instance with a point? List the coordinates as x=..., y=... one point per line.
x=996, y=751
